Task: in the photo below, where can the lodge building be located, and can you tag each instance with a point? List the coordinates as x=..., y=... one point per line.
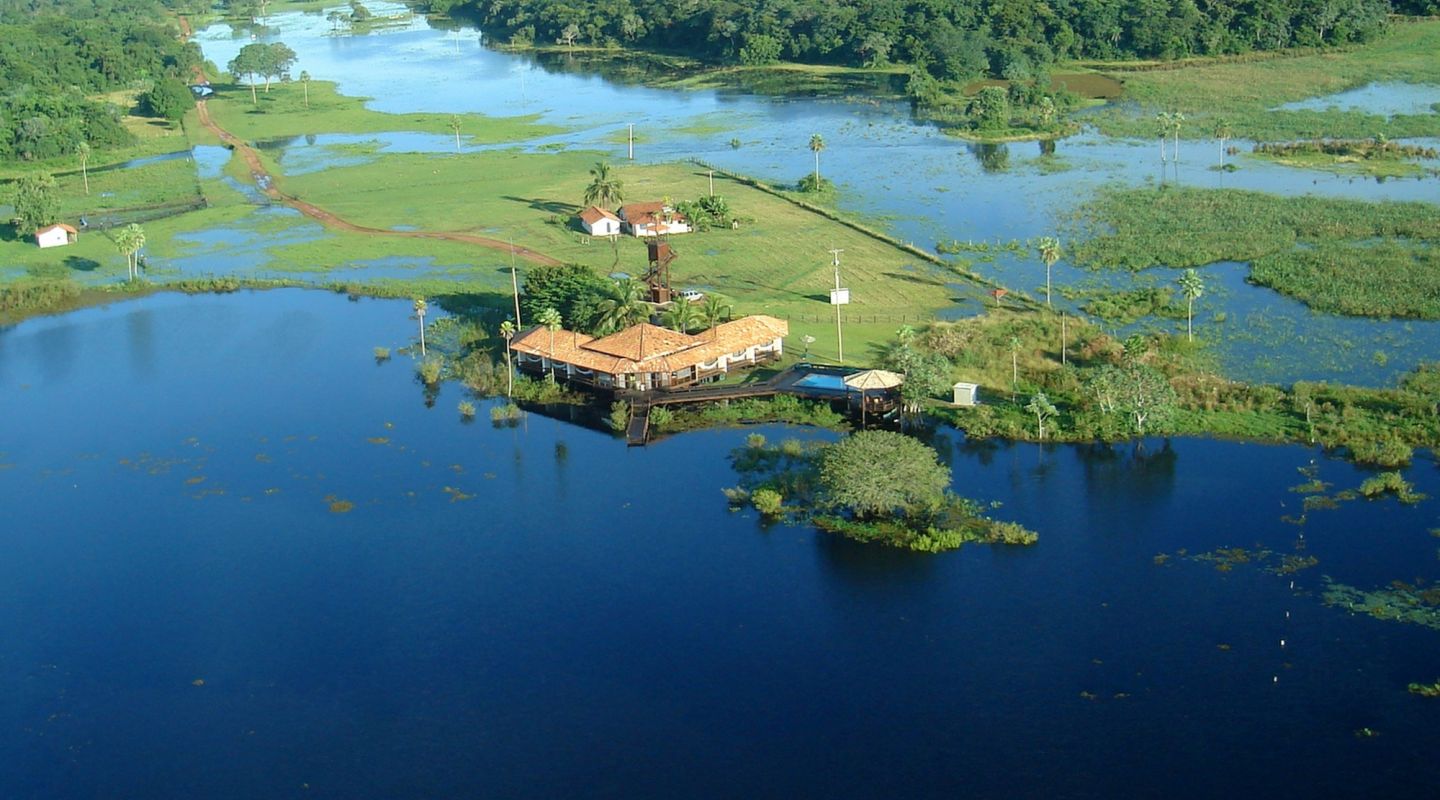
x=645, y=357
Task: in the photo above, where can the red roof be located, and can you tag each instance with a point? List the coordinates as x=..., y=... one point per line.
x=62, y=226
x=594, y=214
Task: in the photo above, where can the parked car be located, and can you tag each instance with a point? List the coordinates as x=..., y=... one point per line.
x=692, y=295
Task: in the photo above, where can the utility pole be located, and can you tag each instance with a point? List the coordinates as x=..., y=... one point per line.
x=514, y=284
x=631, y=139
x=712, y=183
x=838, y=298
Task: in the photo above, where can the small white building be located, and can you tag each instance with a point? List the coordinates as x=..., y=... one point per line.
x=653, y=219
x=967, y=394
x=57, y=235
x=598, y=222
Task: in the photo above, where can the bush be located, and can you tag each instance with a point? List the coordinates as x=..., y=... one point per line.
x=466, y=409
x=429, y=370
x=619, y=416
x=768, y=502
x=661, y=418
x=382, y=354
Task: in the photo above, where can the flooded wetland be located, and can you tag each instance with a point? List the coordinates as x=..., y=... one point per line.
x=246, y=556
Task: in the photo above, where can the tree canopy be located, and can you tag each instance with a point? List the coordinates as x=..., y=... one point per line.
x=881, y=473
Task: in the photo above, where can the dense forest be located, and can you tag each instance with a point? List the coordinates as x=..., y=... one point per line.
x=57, y=55
x=952, y=39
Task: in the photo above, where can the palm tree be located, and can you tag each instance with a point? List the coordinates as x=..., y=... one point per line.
x=129, y=240
x=1162, y=127
x=622, y=306
x=507, y=332
x=712, y=312
x=305, y=84
x=1049, y=249
x=681, y=316
x=605, y=190
x=421, y=307
x=550, y=318
x=455, y=127
x=1192, y=287
x=817, y=143
x=1176, y=120
x=1014, y=365
x=1223, y=132
x=83, y=151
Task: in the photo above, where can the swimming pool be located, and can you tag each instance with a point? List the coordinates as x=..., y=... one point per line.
x=826, y=382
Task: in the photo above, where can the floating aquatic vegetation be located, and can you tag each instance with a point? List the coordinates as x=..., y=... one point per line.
x=262, y=458
x=198, y=479
x=1399, y=602
x=1390, y=483
x=338, y=506
x=378, y=440
x=457, y=495
x=1225, y=559
x=1426, y=689
x=1366, y=733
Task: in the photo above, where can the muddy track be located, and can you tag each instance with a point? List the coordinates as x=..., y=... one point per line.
x=266, y=184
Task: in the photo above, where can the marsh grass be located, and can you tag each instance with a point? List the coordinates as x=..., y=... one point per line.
x=1341, y=256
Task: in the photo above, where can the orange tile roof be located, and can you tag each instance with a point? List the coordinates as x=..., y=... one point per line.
x=594, y=214
x=662, y=350
x=648, y=213
x=62, y=226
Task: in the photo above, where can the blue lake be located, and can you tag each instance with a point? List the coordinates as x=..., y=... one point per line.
x=540, y=611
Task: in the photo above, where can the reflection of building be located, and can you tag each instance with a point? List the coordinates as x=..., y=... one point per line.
x=57, y=235
x=644, y=356
x=598, y=222
x=653, y=219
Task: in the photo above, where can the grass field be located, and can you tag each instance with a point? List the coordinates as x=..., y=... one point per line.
x=282, y=112
x=1243, y=92
x=1343, y=256
x=778, y=262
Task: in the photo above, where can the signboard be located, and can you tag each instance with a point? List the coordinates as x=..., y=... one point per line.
x=839, y=297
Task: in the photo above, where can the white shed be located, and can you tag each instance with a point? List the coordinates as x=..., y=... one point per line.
x=599, y=222
x=57, y=235
x=967, y=394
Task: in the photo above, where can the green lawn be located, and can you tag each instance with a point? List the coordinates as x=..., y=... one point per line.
x=776, y=263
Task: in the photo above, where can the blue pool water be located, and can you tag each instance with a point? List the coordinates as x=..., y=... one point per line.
x=823, y=382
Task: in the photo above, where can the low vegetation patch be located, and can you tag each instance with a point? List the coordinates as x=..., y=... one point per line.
x=1342, y=256
x=872, y=486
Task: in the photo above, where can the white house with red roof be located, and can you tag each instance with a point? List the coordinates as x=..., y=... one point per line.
x=598, y=222
x=653, y=219
x=57, y=235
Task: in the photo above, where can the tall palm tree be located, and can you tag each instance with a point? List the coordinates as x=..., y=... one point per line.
x=421, y=308
x=507, y=332
x=1049, y=249
x=1192, y=287
x=1162, y=127
x=550, y=318
x=1224, y=132
x=455, y=127
x=605, y=190
x=712, y=312
x=305, y=84
x=622, y=306
x=129, y=240
x=817, y=143
x=83, y=151
x=681, y=316
x=1176, y=120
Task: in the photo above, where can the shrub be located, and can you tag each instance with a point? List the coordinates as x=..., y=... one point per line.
x=736, y=496
x=466, y=409
x=429, y=370
x=768, y=502
x=661, y=418
x=382, y=354
x=755, y=441
x=619, y=416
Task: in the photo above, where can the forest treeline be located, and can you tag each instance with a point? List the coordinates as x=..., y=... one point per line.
x=951, y=39
x=57, y=55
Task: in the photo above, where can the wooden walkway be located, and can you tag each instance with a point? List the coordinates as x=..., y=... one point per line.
x=637, y=432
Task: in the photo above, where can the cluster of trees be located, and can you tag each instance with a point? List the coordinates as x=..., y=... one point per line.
x=573, y=296
x=261, y=60
x=948, y=39
x=57, y=54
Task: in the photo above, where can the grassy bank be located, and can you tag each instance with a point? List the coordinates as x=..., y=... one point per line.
x=1244, y=91
x=282, y=112
x=1342, y=256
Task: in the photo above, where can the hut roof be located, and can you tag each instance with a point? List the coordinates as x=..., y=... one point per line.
x=594, y=214
x=649, y=348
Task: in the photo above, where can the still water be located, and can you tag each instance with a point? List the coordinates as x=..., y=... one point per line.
x=190, y=610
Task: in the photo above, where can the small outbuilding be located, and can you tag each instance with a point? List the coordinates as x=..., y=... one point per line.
x=598, y=222
x=967, y=394
x=57, y=235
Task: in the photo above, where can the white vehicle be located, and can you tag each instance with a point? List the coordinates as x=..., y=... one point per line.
x=692, y=295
